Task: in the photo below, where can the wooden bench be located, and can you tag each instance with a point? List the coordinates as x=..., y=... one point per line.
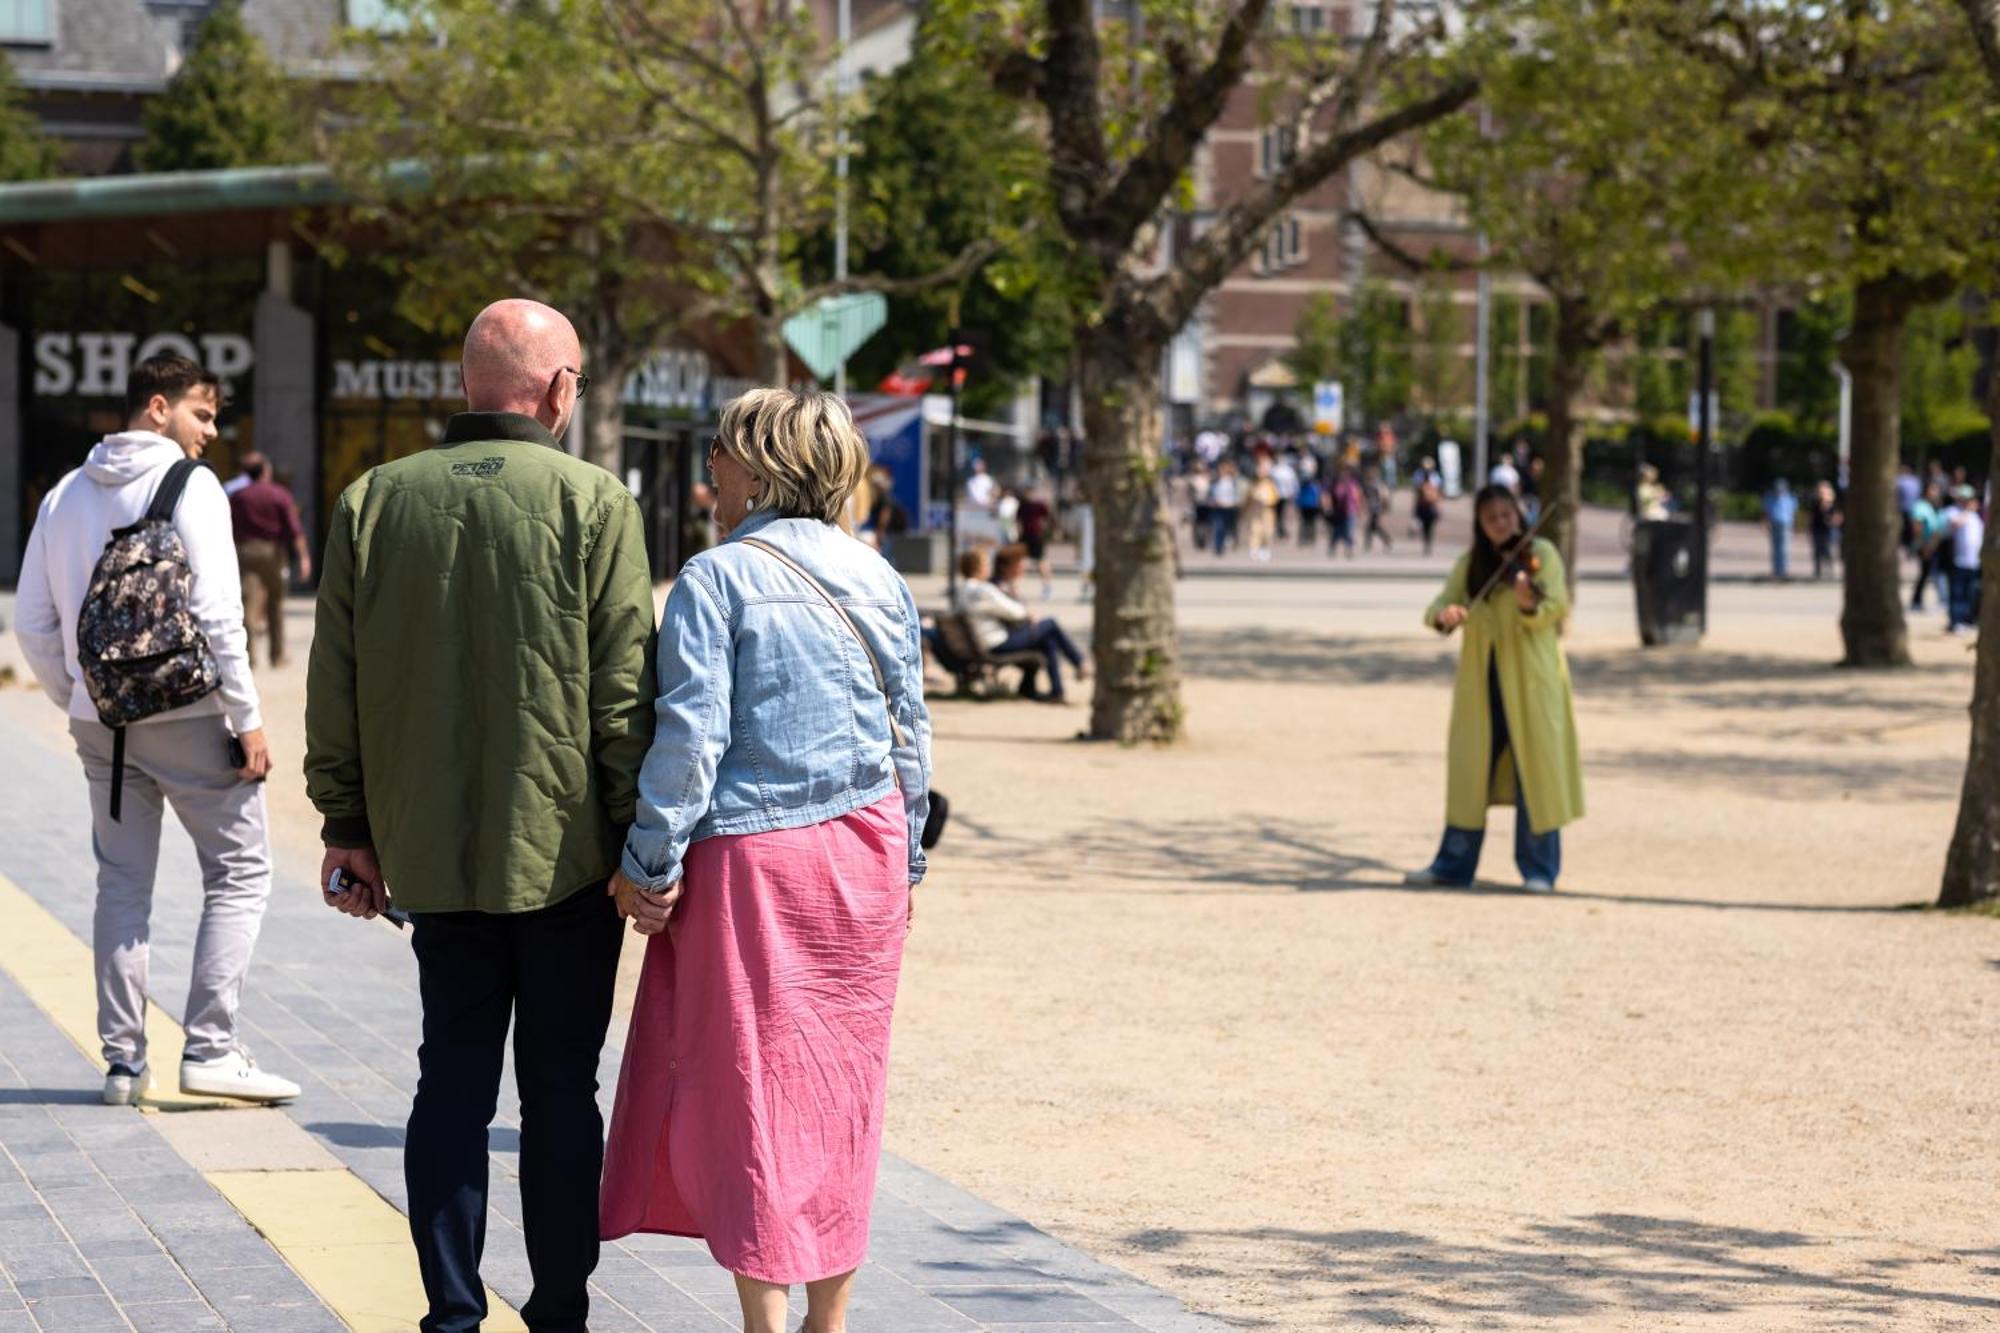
x=976, y=670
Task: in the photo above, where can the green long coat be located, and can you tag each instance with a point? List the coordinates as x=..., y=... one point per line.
x=1535, y=691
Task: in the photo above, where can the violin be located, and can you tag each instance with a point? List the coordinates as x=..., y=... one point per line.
x=1520, y=558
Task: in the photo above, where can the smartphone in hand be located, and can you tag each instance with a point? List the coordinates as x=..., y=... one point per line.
x=339, y=883
x=239, y=758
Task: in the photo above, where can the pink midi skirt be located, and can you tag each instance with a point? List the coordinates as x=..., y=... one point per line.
x=749, y=1106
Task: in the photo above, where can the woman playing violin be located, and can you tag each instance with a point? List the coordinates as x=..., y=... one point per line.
x=1513, y=726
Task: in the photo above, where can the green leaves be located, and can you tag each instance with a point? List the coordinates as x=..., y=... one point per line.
x=228, y=106
x=941, y=161
x=26, y=153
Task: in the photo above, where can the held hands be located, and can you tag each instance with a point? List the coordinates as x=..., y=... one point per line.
x=1451, y=618
x=648, y=912
x=367, y=899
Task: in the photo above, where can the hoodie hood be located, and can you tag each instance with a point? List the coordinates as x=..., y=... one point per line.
x=121, y=459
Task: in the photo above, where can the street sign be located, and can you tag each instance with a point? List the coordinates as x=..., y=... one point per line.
x=1328, y=405
x=834, y=329
x=1714, y=414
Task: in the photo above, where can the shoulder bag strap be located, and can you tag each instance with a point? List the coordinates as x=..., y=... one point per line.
x=168, y=497
x=874, y=663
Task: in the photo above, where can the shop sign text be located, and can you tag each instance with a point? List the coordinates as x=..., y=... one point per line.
x=95, y=365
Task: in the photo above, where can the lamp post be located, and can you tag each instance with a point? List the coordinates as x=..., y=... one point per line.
x=1704, y=432
x=951, y=466
x=846, y=36
x=1482, y=353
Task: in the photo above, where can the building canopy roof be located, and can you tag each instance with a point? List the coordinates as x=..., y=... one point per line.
x=168, y=192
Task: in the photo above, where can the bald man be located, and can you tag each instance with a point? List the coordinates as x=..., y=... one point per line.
x=479, y=702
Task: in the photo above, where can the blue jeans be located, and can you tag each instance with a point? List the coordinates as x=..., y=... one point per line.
x=1222, y=529
x=1781, y=553
x=1536, y=855
x=1047, y=638
x=1964, y=596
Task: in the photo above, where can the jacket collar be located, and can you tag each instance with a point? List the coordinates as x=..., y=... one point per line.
x=466, y=427
x=754, y=523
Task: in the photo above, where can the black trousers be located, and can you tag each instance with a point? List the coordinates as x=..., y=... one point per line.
x=552, y=972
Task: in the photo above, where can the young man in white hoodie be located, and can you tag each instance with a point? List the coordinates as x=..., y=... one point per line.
x=182, y=757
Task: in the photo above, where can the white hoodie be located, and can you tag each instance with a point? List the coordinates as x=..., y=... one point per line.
x=113, y=489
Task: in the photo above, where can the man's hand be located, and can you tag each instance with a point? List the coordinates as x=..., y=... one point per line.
x=304, y=571
x=648, y=912
x=256, y=760
x=1451, y=618
x=368, y=899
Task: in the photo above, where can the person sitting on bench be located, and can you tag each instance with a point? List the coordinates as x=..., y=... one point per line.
x=1003, y=625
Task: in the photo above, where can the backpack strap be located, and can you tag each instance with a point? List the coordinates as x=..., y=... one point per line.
x=117, y=775
x=874, y=663
x=168, y=497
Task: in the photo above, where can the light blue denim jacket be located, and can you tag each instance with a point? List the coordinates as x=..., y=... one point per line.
x=768, y=715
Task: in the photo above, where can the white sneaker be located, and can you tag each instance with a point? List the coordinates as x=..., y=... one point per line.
x=1424, y=879
x=235, y=1075
x=1537, y=885
x=124, y=1085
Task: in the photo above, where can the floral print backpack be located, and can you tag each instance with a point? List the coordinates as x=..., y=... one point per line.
x=136, y=638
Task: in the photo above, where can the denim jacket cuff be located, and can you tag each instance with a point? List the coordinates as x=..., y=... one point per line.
x=644, y=878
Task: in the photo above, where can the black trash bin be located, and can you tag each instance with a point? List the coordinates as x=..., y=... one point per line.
x=1666, y=578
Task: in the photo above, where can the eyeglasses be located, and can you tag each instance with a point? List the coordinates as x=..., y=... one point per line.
x=582, y=380
x=714, y=450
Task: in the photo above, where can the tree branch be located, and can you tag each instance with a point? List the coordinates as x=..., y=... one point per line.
x=1069, y=88
x=1984, y=16
x=1200, y=95
x=663, y=97
x=1437, y=261
x=1175, y=294
x=959, y=269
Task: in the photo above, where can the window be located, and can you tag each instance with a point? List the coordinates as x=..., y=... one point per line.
x=1276, y=147
x=1284, y=247
x=371, y=16
x=27, y=21
x=1309, y=20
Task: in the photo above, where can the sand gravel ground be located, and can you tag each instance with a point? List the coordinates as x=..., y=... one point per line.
x=1175, y=1007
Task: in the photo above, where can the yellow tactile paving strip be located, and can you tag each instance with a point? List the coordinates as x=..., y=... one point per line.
x=348, y=1243
x=54, y=967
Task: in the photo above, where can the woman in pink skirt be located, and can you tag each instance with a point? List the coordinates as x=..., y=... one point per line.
x=771, y=861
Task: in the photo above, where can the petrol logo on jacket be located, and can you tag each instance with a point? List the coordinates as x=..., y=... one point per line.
x=485, y=467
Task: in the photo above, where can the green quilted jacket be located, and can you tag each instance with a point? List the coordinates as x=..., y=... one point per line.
x=481, y=691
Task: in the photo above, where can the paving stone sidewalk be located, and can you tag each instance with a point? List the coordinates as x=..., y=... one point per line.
x=103, y=1224
x=333, y=1003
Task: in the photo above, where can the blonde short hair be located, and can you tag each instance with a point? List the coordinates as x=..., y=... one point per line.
x=802, y=447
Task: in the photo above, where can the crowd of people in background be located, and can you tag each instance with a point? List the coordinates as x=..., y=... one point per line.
x=1943, y=530
x=1250, y=493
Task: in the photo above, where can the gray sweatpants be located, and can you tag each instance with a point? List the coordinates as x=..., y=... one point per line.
x=185, y=762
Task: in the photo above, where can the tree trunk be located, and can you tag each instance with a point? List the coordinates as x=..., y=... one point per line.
x=604, y=412
x=1972, y=866
x=1135, y=647
x=1871, y=618
x=1562, y=461
x=772, y=356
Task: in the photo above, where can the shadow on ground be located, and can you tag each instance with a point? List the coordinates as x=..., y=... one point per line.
x=1267, y=855
x=1687, y=675
x=1571, y=1272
